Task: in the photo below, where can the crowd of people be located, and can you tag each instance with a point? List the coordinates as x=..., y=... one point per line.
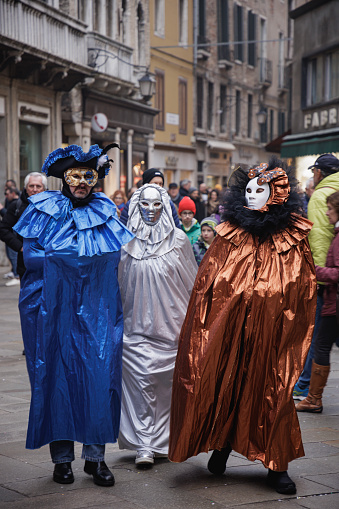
x=174, y=322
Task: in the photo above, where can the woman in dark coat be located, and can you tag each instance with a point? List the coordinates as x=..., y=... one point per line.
x=328, y=329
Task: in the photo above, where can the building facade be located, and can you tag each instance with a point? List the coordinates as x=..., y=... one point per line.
x=315, y=103
x=63, y=62
x=241, y=83
x=171, y=36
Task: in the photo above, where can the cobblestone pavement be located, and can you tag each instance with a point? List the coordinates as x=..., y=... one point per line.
x=26, y=476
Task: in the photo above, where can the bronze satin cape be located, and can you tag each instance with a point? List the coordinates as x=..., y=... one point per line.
x=243, y=345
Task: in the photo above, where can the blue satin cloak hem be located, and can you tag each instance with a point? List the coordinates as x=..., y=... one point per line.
x=72, y=321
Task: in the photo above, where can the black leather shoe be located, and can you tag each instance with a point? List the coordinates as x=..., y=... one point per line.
x=218, y=460
x=63, y=473
x=281, y=482
x=102, y=476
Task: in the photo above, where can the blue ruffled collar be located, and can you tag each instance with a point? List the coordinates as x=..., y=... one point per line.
x=97, y=212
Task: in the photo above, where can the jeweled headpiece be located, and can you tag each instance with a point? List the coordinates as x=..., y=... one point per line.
x=277, y=180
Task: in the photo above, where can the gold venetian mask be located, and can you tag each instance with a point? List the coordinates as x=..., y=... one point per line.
x=76, y=176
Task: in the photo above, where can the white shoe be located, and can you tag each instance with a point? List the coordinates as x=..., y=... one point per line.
x=13, y=282
x=8, y=275
x=144, y=458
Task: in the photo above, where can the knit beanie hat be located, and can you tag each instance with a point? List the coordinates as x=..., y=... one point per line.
x=149, y=174
x=209, y=221
x=186, y=204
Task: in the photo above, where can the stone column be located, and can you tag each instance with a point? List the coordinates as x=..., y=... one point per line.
x=130, y=133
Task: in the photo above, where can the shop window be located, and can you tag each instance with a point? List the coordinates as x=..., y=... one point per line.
x=30, y=149
x=160, y=100
x=182, y=106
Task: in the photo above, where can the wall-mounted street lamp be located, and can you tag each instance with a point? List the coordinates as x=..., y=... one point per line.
x=261, y=116
x=147, y=86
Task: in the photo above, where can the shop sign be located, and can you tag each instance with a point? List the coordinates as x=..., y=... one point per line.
x=99, y=122
x=33, y=113
x=171, y=161
x=172, y=118
x=322, y=118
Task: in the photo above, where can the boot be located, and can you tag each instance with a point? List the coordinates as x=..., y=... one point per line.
x=218, y=460
x=312, y=403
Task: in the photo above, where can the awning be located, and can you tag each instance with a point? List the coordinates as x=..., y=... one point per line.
x=275, y=145
x=296, y=146
x=226, y=146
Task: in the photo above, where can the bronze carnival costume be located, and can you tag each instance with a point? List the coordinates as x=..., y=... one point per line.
x=247, y=332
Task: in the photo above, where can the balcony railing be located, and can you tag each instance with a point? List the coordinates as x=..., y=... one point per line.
x=265, y=72
x=39, y=28
x=110, y=57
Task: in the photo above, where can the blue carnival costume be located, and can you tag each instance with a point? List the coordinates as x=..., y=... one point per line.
x=71, y=311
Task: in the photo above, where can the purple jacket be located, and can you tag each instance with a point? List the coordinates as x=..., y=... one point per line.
x=330, y=275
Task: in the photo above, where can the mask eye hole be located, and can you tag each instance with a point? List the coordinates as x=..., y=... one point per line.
x=260, y=190
x=157, y=204
x=144, y=203
x=248, y=190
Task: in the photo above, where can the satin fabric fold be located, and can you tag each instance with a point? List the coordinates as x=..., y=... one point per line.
x=243, y=345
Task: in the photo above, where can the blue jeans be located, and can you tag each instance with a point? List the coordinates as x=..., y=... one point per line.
x=62, y=451
x=305, y=377
x=12, y=256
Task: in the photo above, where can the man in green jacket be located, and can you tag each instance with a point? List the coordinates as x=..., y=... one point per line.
x=326, y=181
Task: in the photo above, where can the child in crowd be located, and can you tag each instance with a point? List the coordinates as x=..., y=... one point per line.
x=206, y=238
x=188, y=223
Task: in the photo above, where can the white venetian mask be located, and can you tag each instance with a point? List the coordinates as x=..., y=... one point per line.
x=256, y=194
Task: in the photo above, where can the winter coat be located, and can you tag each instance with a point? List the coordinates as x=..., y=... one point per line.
x=194, y=232
x=200, y=213
x=330, y=275
x=7, y=235
x=199, y=249
x=321, y=235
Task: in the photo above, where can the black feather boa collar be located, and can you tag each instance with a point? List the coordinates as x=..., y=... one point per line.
x=260, y=224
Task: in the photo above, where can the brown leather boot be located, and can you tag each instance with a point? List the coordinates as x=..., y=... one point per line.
x=312, y=403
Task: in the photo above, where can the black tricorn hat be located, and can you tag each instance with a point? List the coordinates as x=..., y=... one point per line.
x=61, y=159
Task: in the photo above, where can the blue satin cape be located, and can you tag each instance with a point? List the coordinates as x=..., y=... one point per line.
x=71, y=318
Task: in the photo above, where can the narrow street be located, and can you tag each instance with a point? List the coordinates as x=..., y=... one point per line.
x=26, y=476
